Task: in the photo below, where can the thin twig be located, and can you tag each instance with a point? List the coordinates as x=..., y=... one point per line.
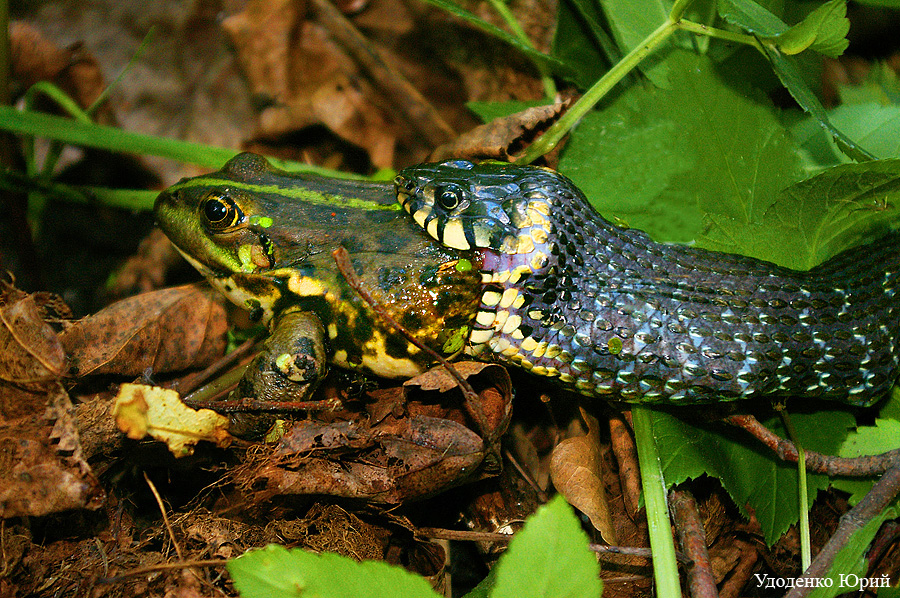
x=469, y=536
x=817, y=462
x=162, y=509
x=163, y=567
x=192, y=381
x=250, y=404
x=692, y=539
x=526, y=475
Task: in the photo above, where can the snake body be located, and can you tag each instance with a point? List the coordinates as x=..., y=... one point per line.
x=611, y=313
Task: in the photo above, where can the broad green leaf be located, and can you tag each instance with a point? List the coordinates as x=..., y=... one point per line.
x=631, y=22
x=873, y=126
x=749, y=15
x=657, y=159
x=823, y=31
x=581, y=43
x=850, y=563
x=549, y=558
x=844, y=206
x=276, y=572
x=871, y=440
x=755, y=479
x=880, y=438
x=788, y=71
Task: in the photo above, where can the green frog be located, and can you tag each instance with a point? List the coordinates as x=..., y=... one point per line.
x=265, y=237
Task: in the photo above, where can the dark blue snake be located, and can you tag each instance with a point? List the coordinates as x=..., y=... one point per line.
x=608, y=312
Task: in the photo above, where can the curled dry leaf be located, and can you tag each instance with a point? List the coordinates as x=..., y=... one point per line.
x=142, y=411
x=35, y=58
x=167, y=330
x=502, y=138
x=387, y=454
x=32, y=356
x=575, y=470
x=42, y=470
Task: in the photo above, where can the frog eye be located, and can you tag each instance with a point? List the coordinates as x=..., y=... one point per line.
x=448, y=196
x=221, y=212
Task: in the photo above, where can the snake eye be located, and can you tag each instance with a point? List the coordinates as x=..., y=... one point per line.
x=448, y=196
x=221, y=212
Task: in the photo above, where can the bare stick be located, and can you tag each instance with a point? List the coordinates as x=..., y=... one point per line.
x=817, y=462
x=692, y=538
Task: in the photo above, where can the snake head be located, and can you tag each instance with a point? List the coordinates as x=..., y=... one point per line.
x=463, y=205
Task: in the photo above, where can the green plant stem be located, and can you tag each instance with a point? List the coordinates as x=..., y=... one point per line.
x=558, y=130
x=805, y=544
x=113, y=139
x=128, y=199
x=729, y=36
x=665, y=567
x=510, y=20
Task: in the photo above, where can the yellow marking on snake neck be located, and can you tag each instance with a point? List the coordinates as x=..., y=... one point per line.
x=509, y=295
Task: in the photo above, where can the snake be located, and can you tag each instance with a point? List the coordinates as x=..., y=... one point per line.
x=608, y=312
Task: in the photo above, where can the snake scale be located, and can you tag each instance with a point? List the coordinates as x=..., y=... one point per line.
x=609, y=312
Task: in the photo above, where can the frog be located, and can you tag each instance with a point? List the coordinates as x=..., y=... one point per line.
x=265, y=239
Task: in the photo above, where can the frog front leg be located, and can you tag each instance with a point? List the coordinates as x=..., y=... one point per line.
x=288, y=369
x=292, y=363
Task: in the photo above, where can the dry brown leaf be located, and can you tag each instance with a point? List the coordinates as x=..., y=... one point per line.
x=35, y=58
x=32, y=356
x=31, y=350
x=394, y=451
x=575, y=470
x=502, y=138
x=41, y=467
x=142, y=411
x=167, y=330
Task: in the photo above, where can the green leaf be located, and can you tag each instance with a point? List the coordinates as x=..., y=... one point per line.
x=509, y=38
x=871, y=440
x=67, y=130
x=276, y=572
x=881, y=86
x=713, y=149
x=749, y=15
x=815, y=219
x=871, y=125
x=823, y=31
x=549, y=558
x=631, y=22
x=788, y=71
x=757, y=481
x=850, y=560
x=880, y=438
x=581, y=43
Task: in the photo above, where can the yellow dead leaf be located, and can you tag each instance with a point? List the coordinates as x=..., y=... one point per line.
x=158, y=412
x=575, y=471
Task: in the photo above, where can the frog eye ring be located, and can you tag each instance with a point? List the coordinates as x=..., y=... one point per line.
x=221, y=212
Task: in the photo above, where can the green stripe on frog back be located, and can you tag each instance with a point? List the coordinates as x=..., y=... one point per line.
x=300, y=192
